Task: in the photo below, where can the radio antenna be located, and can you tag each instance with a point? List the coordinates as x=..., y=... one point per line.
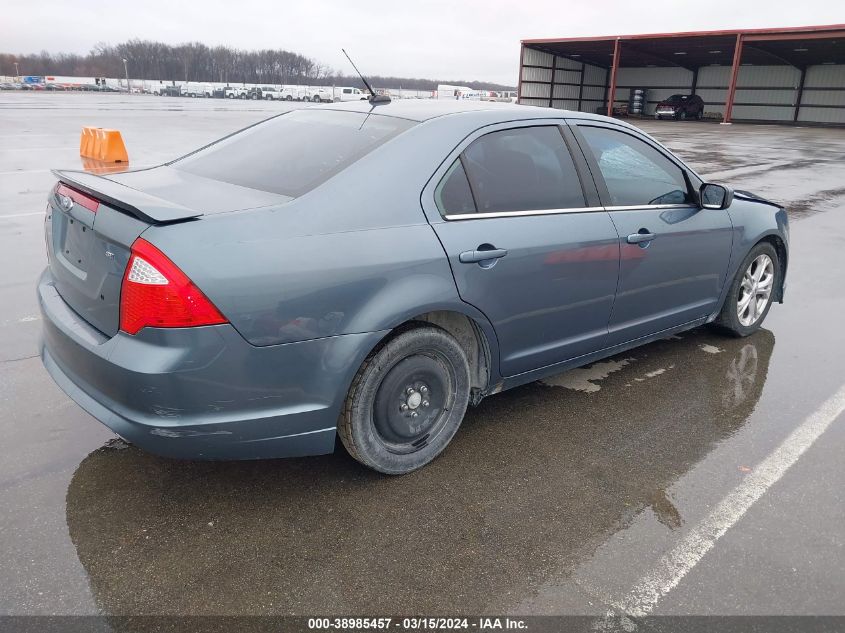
x=374, y=98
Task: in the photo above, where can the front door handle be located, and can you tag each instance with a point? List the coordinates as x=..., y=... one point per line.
x=639, y=238
x=478, y=256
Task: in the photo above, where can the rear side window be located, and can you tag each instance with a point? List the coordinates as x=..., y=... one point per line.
x=522, y=169
x=293, y=153
x=635, y=173
x=453, y=195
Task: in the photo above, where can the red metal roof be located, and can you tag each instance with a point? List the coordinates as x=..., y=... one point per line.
x=825, y=28
x=798, y=46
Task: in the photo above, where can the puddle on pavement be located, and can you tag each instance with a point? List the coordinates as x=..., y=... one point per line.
x=536, y=479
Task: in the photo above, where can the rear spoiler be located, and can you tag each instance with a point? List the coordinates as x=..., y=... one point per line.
x=141, y=205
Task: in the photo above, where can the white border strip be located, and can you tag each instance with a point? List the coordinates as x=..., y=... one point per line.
x=680, y=561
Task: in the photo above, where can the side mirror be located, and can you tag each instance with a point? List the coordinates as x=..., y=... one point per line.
x=715, y=196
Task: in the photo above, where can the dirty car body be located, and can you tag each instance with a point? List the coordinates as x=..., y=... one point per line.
x=291, y=263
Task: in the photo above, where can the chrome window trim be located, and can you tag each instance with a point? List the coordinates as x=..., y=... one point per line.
x=636, y=207
x=511, y=214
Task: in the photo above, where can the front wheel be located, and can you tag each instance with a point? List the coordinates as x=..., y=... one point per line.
x=751, y=293
x=406, y=402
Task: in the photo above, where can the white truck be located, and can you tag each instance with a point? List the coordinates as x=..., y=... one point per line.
x=318, y=94
x=344, y=93
x=271, y=93
x=196, y=90
x=234, y=92
x=445, y=91
x=291, y=93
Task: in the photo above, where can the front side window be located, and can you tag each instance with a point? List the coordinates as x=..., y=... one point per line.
x=295, y=152
x=521, y=169
x=635, y=173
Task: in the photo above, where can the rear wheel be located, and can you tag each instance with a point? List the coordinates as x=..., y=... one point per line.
x=700, y=115
x=406, y=402
x=683, y=115
x=751, y=293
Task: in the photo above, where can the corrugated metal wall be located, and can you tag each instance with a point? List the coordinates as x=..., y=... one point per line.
x=559, y=82
x=766, y=93
x=661, y=84
x=763, y=93
x=823, y=86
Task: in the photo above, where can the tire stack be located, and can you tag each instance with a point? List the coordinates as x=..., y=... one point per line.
x=637, y=101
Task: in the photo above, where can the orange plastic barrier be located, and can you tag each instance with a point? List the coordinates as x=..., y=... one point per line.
x=103, y=145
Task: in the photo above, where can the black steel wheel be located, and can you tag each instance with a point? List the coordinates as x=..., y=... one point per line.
x=407, y=401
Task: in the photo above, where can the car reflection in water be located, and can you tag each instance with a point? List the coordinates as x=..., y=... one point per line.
x=535, y=480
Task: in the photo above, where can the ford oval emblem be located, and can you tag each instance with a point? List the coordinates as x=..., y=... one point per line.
x=65, y=202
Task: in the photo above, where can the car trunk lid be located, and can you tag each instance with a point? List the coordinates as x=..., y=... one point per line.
x=88, y=248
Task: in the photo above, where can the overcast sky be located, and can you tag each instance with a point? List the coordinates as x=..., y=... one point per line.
x=472, y=39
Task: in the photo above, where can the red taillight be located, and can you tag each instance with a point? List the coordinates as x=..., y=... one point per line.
x=83, y=200
x=156, y=293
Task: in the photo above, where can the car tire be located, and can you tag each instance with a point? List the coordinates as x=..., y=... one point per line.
x=420, y=370
x=288, y=98
x=683, y=115
x=700, y=115
x=736, y=318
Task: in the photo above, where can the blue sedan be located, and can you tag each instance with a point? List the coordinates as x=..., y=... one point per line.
x=369, y=270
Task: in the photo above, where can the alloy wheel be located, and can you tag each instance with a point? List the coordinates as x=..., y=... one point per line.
x=755, y=291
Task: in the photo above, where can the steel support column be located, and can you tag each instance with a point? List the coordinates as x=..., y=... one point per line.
x=611, y=93
x=694, y=80
x=519, y=79
x=800, y=95
x=581, y=86
x=729, y=101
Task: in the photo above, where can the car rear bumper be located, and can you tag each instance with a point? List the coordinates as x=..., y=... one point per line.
x=205, y=392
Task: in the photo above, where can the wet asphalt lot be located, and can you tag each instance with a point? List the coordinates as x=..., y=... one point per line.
x=609, y=487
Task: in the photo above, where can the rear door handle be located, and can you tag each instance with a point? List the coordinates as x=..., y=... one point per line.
x=639, y=238
x=477, y=256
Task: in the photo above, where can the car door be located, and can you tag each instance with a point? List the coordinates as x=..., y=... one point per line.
x=674, y=254
x=527, y=243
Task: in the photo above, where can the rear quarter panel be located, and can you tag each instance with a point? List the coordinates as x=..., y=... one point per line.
x=354, y=255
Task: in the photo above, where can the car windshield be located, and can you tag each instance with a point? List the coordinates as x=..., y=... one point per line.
x=677, y=98
x=295, y=152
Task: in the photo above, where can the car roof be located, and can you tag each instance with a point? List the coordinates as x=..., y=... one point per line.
x=425, y=109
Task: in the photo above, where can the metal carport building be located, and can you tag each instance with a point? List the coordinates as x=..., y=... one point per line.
x=783, y=75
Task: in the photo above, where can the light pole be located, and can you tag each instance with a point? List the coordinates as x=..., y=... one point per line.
x=126, y=70
x=17, y=72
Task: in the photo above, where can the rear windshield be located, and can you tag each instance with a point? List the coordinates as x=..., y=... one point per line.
x=293, y=153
